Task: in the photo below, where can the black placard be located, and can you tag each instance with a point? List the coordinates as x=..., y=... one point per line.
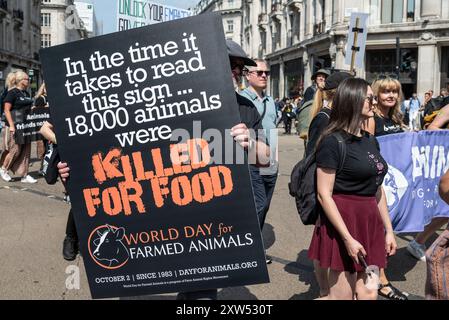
x=154, y=215
x=28, y=131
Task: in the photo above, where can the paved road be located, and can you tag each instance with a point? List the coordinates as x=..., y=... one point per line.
x=32, y=228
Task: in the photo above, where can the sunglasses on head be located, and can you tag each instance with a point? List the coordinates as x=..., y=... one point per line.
x=260, y=73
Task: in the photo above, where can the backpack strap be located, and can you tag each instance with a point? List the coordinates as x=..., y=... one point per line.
x=322, y=112
x=342, y=150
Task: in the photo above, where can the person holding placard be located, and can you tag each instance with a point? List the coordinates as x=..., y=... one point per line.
x=17, y=106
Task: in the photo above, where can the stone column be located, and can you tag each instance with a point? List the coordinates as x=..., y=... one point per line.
x=281, y=78
x=427, y=52
x=430, y=9
x=307, y=71
x=340, y=54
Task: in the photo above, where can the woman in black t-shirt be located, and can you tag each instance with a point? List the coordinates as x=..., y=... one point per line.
x=17, y=106
x=387, y=114
x=355, y=226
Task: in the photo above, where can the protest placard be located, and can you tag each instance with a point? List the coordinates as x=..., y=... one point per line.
x=28, y=131
x=142, y=118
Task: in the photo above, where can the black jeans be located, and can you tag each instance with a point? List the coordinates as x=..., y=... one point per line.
x=263, y=188
x=288, y=124
x=70, y=229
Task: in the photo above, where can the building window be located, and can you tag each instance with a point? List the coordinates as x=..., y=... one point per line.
x=230, y=25
x=392, y=11
x=263, y=6
x=410, y=10
x=230, y=3
x=46, y=19
x=46, y=41
x=46, y=1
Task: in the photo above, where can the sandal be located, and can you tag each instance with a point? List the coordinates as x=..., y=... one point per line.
x=393, y=294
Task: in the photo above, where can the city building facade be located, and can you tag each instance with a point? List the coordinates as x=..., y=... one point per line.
x=20, y=38
x=232, y=15
x=60, y=23
x=297, y=37
x=87, y=15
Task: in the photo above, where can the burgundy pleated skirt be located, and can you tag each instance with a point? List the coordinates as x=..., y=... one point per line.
x=362, y=218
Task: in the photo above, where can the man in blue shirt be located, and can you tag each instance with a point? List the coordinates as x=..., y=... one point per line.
x=263, y=179
x=414, y=106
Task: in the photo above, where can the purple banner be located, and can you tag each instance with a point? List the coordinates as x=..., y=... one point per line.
x=416, y=163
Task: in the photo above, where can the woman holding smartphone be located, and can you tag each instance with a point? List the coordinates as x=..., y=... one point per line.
x=355, y=221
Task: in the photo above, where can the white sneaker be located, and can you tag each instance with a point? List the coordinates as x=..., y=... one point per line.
x=417, y=250
x=28, y=179
x=4, y=174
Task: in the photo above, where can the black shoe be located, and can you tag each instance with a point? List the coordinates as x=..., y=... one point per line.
x=70, y=248
x=268, y=260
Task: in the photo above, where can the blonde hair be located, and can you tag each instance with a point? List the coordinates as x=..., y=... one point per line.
x=20, y=75
x=11, y=80
x=42, y=91
x=380, y=85
x=318, y=101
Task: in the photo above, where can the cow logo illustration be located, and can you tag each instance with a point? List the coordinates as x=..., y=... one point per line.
x=106, y=247
x=395, y=185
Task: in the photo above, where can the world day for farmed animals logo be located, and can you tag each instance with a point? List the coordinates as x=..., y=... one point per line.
x=106, y=247
x=395, y=185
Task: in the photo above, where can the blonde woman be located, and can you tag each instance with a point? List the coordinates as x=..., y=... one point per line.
x=387, y=120
x=17, y=105
x=388, y=117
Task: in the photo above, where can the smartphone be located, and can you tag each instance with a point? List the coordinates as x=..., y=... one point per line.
x=362, y=261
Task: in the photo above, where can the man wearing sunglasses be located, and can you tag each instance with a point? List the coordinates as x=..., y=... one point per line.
x=263, y=179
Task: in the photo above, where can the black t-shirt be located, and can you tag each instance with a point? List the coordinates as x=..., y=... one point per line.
x=20, y=102
x=18, y=99
x=316, y=128
x=364, y=168
x=385, y=126
x=309, y=94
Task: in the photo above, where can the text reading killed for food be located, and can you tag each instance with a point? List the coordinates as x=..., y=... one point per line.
x=142, y=119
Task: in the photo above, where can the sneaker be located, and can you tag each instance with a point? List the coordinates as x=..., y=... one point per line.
x=28, y=179
x=70, y=248
x=4, y=174
x=417, y=250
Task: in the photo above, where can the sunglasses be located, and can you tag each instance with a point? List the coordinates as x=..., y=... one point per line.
x=260, y=73
x=371, y=99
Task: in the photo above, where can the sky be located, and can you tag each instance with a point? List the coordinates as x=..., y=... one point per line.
x=105, y=10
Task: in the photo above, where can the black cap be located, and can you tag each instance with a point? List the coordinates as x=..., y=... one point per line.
x=335, y=79
x=234, y=50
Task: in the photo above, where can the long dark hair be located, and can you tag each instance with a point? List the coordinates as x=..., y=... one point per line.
x=347, y=106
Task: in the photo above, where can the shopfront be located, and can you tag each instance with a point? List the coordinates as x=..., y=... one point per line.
x=383, y=63
x=294, y=78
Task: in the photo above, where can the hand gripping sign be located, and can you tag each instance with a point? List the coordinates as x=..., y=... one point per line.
x=155, y=212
